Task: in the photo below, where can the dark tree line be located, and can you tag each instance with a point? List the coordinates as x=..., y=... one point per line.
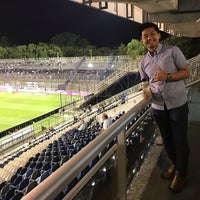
x=70, y=45
x=61, y=45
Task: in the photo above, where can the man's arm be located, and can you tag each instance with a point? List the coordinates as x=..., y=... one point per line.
x=183, y=73
x=161, y=75
x=146, y=92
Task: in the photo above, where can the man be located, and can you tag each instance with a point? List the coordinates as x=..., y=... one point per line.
x=123, y=98
x=106, y=121
x=82, y=125
x=165, y=68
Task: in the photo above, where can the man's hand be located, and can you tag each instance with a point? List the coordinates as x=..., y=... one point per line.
x=160, y=75
x=146, y=93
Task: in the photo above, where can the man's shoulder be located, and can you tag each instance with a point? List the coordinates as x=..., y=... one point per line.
x=172, y=47
x=109, y=120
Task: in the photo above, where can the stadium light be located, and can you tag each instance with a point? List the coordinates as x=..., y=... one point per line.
x=90, y=65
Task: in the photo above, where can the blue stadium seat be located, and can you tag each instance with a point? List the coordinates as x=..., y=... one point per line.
x=59, y=196
x=9, y=194
x=54, y=152
x=41, y=158
x=32, y=164
x=54, y=167
x=32, y=184
x=17, y=180
x=92, y=136
x=93, y=162
x=12, y=179
x=35, y=174
x=17, y=196
x=48, y=153
x=18, y=170
x=1, y=165
x=64, y=159
x=62, y=152
x=35, y=159
x=39, y=165
x=65, y=190
x=46, y=166
x=23, y=170
x=3, y=184
x=27, y=164
x=29, y=172
x=55, y=159
x=30, y=159
x=37, y=154
x=5, y=189
x=72, y=184
x=72, y=152
x=23, y=184
x=47, y=159
x=83, y=172
x=42, y=177
x=85, y=141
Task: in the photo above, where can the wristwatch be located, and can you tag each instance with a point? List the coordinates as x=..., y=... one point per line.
x=169, y=77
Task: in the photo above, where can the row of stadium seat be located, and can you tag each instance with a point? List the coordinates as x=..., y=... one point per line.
x=53, y=155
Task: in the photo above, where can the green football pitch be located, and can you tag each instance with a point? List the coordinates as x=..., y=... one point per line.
x=16, y=108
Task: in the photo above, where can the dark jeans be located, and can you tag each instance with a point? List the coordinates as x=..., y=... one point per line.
x=173, y=125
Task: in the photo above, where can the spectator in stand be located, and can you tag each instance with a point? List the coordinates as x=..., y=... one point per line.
x=123, y=98
x=106, y=122
x=90, y=108
x=82, y=125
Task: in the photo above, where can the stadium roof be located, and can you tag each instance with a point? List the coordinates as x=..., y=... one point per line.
x=181, y=17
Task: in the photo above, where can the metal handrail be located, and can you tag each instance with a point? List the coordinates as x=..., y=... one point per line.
x=189, y=85
x=51, y=186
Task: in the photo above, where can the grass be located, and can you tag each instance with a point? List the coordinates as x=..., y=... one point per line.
x=16, y=108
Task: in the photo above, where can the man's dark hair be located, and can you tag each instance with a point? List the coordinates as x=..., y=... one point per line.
x=148, y=25
x=105, y=115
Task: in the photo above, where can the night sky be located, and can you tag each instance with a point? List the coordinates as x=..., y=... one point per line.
x=26, y=21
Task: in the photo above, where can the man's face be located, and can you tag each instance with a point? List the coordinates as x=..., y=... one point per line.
x=150, y=39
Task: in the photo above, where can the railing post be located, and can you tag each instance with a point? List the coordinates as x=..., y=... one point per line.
x=121, y=166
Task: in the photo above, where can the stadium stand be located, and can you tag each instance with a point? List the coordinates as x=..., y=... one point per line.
x=55, y=71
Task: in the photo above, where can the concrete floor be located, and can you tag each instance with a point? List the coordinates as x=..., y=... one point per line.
x=157, y=188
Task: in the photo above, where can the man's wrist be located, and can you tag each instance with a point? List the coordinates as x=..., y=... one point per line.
x=169, y=76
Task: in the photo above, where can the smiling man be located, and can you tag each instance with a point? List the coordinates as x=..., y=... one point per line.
x=164, y=67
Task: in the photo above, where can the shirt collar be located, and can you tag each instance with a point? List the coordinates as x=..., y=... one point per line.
x=156, y=51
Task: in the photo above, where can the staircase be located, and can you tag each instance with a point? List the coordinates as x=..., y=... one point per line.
x=124, y=70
